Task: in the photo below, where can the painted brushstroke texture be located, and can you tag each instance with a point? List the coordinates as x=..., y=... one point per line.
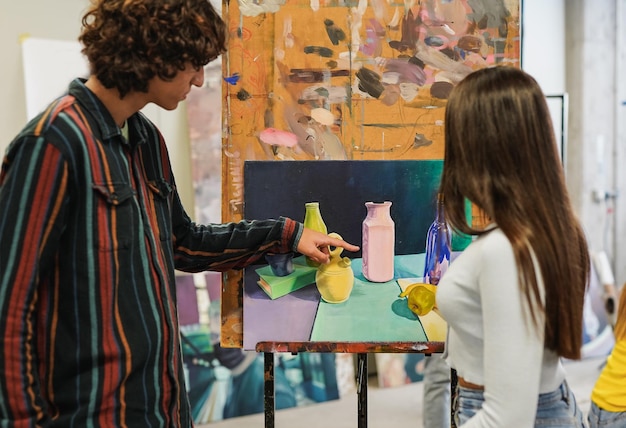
x=232, y=80
x=395, y=20
x=407, y=72
x=408, y=54
x=312, y=75
x=320, y=50
x=370, y=82
x=440, y=61
x=317, y=94
x=254, y=8
x=335, y=33
x=288, y=37
x=277, y=137
x=315, y=138
x=323, y=116
x=375, y=36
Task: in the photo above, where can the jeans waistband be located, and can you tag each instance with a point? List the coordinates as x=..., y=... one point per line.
x=561, y=393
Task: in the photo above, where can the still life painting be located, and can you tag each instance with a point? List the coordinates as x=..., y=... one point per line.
x=324, y=304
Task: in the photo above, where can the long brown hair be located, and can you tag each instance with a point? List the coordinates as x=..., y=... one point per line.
x=501, y=155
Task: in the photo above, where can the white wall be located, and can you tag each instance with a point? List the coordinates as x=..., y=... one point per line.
x=543, y=57
x=594, y=72
x=543, y=43
x=61, y=20
x=17, y=20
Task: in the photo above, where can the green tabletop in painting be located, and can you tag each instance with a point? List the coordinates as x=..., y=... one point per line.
x=375, y=312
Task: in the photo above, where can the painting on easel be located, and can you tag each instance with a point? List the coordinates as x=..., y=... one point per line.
x=349, y=80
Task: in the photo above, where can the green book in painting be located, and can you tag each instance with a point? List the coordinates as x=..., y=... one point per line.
x=277, y=286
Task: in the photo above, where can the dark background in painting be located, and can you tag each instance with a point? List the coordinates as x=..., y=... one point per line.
x=275, y=188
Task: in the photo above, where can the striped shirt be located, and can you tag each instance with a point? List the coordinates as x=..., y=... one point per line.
x=91, y=230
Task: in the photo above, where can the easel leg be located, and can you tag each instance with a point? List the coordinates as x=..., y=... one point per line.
x=453, y=393
x=361, y=389
x=270, y=407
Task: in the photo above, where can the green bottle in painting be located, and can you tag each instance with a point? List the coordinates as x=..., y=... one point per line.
x=313, y=220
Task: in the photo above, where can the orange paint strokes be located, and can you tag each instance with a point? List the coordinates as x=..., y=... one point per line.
x=253, y=70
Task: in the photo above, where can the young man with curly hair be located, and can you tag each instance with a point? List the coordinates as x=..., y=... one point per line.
x=92, y=229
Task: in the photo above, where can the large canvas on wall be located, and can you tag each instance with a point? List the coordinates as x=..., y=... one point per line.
x=346, y=80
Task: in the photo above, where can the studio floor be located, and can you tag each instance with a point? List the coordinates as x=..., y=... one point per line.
x=393, y=407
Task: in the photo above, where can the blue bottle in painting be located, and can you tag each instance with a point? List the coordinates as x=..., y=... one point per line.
x=437, y=246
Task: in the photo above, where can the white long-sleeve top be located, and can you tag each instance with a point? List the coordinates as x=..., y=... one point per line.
x=491, y=338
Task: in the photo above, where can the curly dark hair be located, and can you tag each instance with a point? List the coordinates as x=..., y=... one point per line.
x=128, y=42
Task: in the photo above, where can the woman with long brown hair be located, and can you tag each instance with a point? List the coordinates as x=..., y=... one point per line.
x=514, y=298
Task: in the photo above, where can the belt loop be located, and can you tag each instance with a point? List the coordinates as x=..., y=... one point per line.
x=564, y=391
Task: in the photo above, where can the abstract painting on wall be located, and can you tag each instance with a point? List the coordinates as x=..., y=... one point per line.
x=353, y=80
x=347, y=80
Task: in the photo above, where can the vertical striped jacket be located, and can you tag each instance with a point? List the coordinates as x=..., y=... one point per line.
x=91, y=230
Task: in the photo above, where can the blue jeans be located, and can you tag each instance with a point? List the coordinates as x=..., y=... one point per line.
x=599, y=418
x=556, y=409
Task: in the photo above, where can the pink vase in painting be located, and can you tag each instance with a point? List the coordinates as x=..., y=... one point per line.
x=379, y=236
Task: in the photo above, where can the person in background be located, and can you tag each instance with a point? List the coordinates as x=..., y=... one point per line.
x=92, y=229
x=513, y=300
x=436, y=392
x=608, y=397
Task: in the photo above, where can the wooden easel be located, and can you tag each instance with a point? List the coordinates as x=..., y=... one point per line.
x=361, y=349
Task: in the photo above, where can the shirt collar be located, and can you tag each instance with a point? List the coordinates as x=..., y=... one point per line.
x=108, y=128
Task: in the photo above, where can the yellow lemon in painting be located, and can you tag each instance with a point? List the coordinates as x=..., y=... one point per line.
x=421, y=298
x=410, y=288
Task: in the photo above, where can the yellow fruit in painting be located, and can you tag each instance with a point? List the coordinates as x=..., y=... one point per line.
x=410, y=287
x=421, y=298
